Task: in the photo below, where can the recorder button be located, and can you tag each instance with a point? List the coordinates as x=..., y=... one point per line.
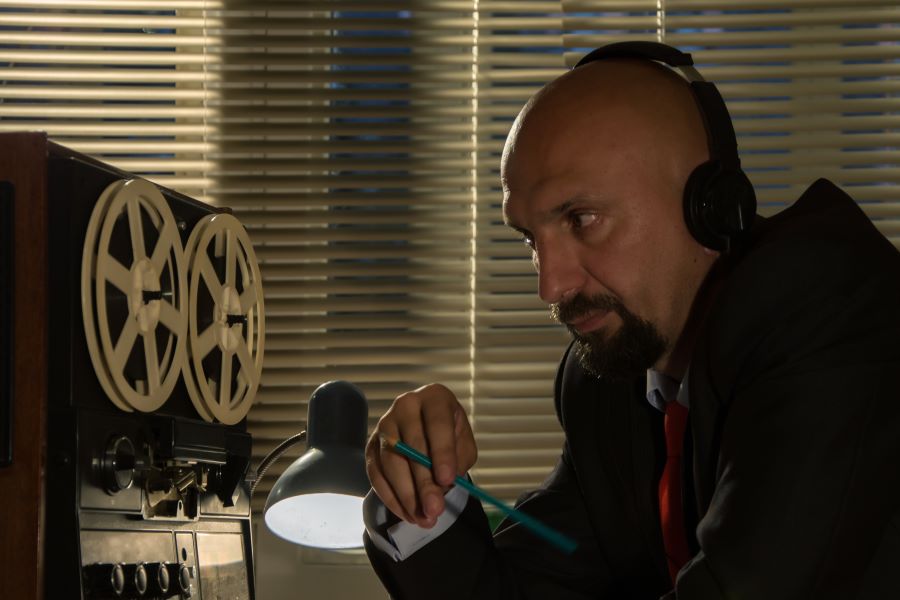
x=135, y=580
x=105, y=580
x=180, y=573
x=157, y=579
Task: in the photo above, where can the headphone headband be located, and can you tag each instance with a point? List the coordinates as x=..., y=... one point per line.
x=719, y=130
x=641, y=49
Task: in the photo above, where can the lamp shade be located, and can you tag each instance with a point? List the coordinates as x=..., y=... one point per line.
x=317, y=501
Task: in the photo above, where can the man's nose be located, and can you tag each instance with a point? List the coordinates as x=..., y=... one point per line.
x=560, y=275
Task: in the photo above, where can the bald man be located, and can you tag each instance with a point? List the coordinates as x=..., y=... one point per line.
x=783, y=354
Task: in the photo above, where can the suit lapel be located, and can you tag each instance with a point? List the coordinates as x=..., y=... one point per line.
x=613, y=424
x=647, y=447
x=633, y=447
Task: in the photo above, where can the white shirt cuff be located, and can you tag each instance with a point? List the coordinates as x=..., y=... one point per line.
x=405, y=539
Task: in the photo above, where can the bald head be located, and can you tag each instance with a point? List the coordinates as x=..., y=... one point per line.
x=616, y=102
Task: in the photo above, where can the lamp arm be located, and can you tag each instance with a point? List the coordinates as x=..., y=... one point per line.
x=274, y=455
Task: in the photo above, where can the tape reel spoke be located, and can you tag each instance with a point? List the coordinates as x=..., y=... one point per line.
x=124, y=346
x=225, y=381
x=245, y=360
x=230, y=258
x=209, y=276
x=249, y=297
x=133, y=207
x=169, y=316
x=242, y=386
x=119, y=276
x=168, y=237
x=205, y=343
x=151, y=358
x=223, y=270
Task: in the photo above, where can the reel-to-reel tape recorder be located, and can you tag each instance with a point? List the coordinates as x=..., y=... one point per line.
x=156, y=331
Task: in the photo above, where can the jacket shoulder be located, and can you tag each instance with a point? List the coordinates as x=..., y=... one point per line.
x=816, y=283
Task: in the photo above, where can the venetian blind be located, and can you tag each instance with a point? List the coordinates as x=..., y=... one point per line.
x=359, y=143
x=126, y=81
x=517, y=345
x=341, y=133
x=350, y=144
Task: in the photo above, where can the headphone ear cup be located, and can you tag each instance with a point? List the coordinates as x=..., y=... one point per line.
x=719, y=206
x=697, y=206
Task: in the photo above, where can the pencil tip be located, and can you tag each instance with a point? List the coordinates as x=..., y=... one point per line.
x=387, y=440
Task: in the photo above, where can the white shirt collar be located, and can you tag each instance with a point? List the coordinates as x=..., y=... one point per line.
x=662, y=389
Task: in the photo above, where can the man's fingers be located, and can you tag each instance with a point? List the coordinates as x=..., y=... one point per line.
x=383, y=489
x=466, y=449
x=430, y=495
x=392, y=473
x=398, y=471
x=440, y=431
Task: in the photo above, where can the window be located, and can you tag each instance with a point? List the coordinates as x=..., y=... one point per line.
x=361, y=151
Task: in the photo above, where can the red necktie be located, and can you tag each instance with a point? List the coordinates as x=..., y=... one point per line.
x=671, y=513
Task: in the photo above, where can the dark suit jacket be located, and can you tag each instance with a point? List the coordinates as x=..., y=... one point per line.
x=792, y=457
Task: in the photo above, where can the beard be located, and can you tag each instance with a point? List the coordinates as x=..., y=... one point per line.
x=625, y=354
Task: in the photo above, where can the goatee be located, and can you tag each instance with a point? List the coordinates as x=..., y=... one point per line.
x=625, y=354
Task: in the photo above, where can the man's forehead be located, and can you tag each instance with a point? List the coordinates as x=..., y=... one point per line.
x=579, y=125
x=540, y=181
x=548, y=201
x=513, y=210
x=508, y=219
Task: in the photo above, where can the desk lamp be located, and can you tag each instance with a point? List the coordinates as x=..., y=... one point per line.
x=317, y=501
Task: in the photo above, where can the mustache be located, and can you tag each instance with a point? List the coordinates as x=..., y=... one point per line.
x=579, y=305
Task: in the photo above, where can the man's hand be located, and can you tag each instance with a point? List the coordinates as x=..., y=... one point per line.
x=431, y=420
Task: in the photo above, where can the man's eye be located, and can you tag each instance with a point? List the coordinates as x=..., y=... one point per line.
x=581, y=220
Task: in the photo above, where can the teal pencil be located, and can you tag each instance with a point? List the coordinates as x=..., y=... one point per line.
x=563, y=542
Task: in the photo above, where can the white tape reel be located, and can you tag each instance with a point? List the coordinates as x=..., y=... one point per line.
x=226, y=320
x=133, y=295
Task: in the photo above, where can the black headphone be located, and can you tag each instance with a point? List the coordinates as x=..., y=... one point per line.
x=719, y=201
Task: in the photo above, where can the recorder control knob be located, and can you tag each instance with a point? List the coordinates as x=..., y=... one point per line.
x=117, y=465
x=104, y=580
x=157, y=579
x=180, y=577
x=135, y=580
